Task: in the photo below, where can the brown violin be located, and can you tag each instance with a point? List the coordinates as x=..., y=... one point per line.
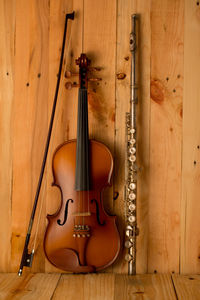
x=81, y=237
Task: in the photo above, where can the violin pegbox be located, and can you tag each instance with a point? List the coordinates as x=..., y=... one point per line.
x=83, y=62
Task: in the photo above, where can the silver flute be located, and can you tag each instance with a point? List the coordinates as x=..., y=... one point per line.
x=131, y=166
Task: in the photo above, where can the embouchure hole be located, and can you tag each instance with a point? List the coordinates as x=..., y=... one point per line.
x=27, y=84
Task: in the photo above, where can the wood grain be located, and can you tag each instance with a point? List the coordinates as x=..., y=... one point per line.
x=29, y=116
x=144, y=287
x=99, y=286
x=99, y=28
x=165, y=135
x=96, y=286
x=190, y=205
x=143, y=138
x=31, y=286
x=7, y=28
x=187, y=286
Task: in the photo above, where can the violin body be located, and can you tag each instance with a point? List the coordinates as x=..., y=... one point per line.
x=81, y=237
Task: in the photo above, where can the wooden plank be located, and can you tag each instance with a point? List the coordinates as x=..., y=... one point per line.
x=99, y=286
x=32, y=286
x=187, y=286
x=99, y=43
x=122, y=106
x=7, y=30
x=190, y=205
x=143, y=114
x=94, y=286
x=29, y=117
x=41, y=121
x=165, y=135
x=146, y=286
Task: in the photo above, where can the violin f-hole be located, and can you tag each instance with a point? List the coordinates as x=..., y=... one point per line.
x=66, y=213
x=97, y=213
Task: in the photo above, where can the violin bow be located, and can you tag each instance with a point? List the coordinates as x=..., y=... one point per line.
x=27, y=258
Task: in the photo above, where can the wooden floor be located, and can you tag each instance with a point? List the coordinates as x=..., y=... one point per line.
x=99, y=286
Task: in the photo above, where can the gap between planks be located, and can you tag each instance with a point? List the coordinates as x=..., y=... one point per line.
x=99, y=286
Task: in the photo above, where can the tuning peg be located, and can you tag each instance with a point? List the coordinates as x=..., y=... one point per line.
x=69, y=74
x=94, y=69
x=94, y=79
x=69, y=85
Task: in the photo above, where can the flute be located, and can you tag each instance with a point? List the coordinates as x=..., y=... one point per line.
x=131, y=166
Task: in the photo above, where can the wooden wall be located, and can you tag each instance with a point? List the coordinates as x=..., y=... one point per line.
x=168, y=119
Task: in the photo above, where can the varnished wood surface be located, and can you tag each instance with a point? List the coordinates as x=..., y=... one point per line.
x=168, y=120
x=99, y=287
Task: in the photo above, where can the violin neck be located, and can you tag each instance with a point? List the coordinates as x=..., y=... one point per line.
x=82, y=176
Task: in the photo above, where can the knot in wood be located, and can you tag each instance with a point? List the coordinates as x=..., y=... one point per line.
x=121, y=76
x=157, y=91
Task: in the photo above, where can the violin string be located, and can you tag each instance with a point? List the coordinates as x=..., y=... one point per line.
x=80, y=207
x=81, y=192
x=56, y=118
x=88, y=168
x=83, y=17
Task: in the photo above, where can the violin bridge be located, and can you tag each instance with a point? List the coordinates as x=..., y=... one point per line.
x=82, y=214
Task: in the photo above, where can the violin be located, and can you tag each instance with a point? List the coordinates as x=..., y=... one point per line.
x=81, y=237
